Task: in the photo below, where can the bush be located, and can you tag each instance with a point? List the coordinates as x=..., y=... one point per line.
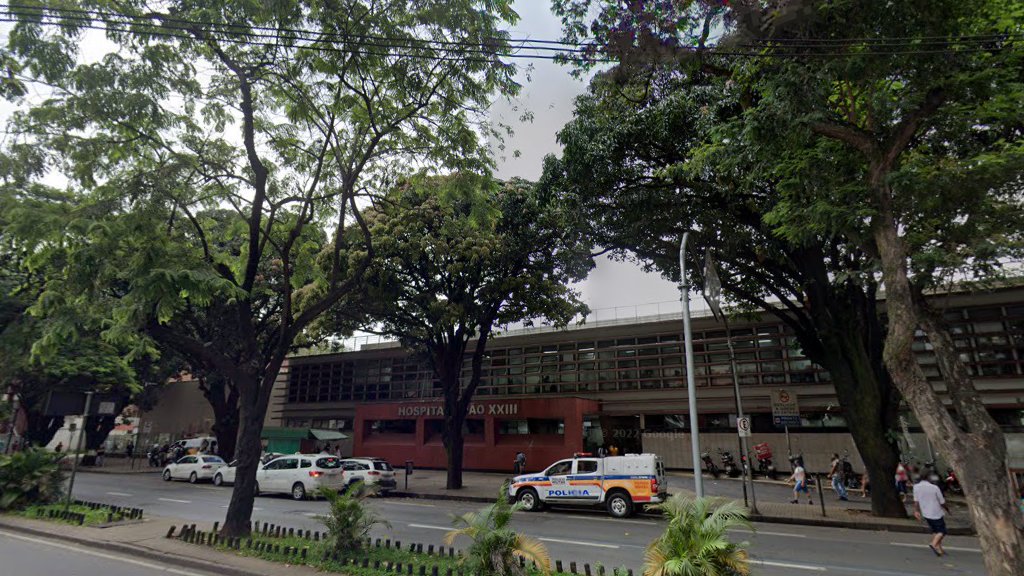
x=350, y=521
x=29, y=477
x=694, y=542
x=496, y=548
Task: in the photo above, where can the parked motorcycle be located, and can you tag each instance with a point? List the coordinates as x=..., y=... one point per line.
x=729, y=464
x=850, y=478
x=953, y=483
x=763, y=453
x=709, y=465
x=931, y=472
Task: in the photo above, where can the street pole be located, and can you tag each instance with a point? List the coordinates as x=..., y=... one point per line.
x=691, y=387
x=78, y=449
x=747, y=468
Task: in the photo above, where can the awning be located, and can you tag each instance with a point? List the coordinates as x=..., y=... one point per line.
x=327, y=435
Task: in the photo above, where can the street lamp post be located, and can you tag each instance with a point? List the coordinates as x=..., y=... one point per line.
x=691, y=387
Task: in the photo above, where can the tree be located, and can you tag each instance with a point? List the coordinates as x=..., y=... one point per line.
x=283, y=113
x=653, y=151
x=458, y=257
x=890, y=125
x=695, y=540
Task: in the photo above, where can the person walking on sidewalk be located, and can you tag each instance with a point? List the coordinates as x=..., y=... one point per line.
x=931, y=505
x=836, y=474
x=901, y=478
x=799, y=477
x=519, y=464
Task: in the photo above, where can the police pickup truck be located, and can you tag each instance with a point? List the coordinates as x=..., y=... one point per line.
x=619, y=483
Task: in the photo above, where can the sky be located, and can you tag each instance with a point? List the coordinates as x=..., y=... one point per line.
x=549, y=95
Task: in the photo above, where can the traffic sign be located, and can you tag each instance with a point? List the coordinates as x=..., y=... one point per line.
x=785, y=409
x=743, y=427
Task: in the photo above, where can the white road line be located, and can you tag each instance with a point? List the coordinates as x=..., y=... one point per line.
x=411, y=504
x=254, y=509
x=789, y=565
x=579, y=543
x=79, y=550
x=429, y=527
x=118, y=494
x=615, y=520
x=173, y=500
x=767, y=533
x=953, y=548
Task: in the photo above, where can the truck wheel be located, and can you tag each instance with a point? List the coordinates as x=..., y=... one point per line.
x=620, y=505
x=528, y=499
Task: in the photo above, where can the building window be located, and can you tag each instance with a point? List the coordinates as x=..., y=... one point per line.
x=392, y=427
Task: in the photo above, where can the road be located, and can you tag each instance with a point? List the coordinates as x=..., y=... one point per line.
x=30, y=556
x=591, y=537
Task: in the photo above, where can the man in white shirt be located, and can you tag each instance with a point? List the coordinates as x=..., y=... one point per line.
x=799, y=479
x=930, y=504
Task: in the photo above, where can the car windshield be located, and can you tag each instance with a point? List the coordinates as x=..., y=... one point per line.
x=381, y=465
x=329, y=463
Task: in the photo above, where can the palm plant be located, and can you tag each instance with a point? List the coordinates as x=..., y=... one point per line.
x=694, y=542
x=350, y=521
x=29, y=477
x=497, y=549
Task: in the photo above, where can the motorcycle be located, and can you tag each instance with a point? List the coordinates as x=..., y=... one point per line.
x=763, y=453
x=729, y=464
x=953, y=483
x=931, y=472
x=709, y=465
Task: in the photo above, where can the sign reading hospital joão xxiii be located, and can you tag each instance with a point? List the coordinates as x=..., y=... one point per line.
x=475, y=409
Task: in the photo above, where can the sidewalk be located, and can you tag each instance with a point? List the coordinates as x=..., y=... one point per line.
x=484, y=487
x=147, y=539
x=122, y=466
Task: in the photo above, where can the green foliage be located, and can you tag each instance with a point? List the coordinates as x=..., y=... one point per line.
x=29, y=477
x=496, y=548
x=695, y=542
x=350, y=521
x=93, y=516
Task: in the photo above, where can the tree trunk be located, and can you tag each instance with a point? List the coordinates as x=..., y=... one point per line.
x=455, y=454
x=454, y=418
x=979, y=456
x=97, y=428
x=222, y=396
x=237, y=522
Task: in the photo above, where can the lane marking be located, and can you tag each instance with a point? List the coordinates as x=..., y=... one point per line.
x=953, y=548
x=579, y=543
x=789, y=565
x=173, y=500
x=254, y=508
x=80, y=550
x=429, y=527
x=615, y=520
x=766, y=533
x=410, y=504
x=119, y=494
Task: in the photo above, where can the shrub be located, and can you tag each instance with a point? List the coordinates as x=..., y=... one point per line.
x=350, y=521
x=694, y=542
x=496, y=548
x=29, y=477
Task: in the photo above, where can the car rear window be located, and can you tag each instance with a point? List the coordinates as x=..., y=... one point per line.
x=328, y=463
x=381, y=465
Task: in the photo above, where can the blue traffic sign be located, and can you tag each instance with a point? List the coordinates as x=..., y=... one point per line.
x=782, y=421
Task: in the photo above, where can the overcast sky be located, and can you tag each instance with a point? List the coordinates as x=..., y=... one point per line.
x=549, y=95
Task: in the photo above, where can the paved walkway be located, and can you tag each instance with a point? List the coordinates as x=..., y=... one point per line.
x=123, y=466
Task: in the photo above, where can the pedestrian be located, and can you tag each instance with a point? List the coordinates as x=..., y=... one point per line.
x=613, y=450
x=901, y=478
x=799, y=478
x=100, y=453
x=865, y=484
x=931, y=505
x=129, y=450
x=519, y=464
x=59, y=448
x=836, y=474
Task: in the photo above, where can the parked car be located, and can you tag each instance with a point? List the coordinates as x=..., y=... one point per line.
x=194, y=468
x=225, y=474
x=300, y=475
x=372, y=471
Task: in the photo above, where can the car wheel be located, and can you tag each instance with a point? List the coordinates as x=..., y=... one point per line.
x=620, y=505
x=167, y=475
x=298, y=491
x=218, y=480
x=193, y=478
x=528, y=499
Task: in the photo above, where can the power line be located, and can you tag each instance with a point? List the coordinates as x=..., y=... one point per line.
x=405, y=47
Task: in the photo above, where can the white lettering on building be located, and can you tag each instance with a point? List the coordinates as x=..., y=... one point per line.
x=509, y=409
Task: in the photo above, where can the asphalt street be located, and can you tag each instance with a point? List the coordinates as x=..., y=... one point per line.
x=569, y=535
x=22, y=555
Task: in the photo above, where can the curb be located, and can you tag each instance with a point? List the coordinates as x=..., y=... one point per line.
x=874, y=526
x=136, y=551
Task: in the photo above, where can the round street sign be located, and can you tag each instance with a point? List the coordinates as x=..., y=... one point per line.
x=743, y=427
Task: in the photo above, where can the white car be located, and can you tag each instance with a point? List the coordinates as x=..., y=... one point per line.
x=225, y=474
x=300, y=475
x=194, y=468
x=372, y=471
